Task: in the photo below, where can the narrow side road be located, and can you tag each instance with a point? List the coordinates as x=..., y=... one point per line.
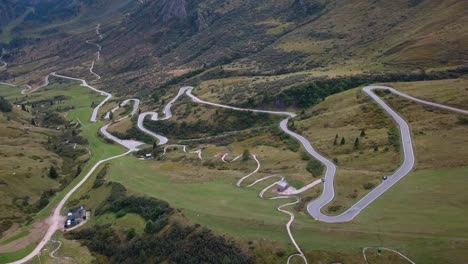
x=56, y=220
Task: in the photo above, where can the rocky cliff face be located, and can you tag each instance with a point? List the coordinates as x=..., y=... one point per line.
x=172, y=9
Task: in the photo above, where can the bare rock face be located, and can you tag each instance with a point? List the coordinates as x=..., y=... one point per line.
x=203, y=19
x=173, y=9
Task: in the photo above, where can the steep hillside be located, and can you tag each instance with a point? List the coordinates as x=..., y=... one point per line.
x=9, y=10
x=149, y=45
x=411, y=33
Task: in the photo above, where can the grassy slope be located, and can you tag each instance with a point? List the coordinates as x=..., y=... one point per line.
x=7, y=35
x=353, y=36
x=97, y=146
x=81, y=99
x=404, y=218
x=22, y=144
x=391, y=221
x=358, y=34
x=69, y=249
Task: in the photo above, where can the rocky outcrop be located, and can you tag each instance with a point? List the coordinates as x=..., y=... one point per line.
x=203, y=19
x=173, y=9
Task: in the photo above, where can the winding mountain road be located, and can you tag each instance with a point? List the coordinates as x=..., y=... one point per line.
x=328, y=193
x=314, y=207
x=56, y=219
x=85, y=84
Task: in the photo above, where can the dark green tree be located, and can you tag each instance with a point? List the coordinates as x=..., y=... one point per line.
x=5, y=106
x=363, y=133
x=343, y=141
x=150, y=227
x=156, y=97
x=245, y=155
x=292, y=125
x=335, y=142
x=131, y=233
x=53, y=173
x=356, y=143
x=156, y=149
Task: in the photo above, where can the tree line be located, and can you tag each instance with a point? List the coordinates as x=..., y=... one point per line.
x=304, y=96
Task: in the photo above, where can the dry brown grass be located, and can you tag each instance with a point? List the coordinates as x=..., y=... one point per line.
x=432, y=128
x=121, y=126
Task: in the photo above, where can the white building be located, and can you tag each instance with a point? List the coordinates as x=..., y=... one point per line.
x=282, y=186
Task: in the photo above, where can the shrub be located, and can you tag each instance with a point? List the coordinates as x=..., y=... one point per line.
x=368, y=185
x=53, y=173
x=463, y=119
x=5, y=106
x=245, y=155
x=315, y=167
x=394, y=138
x=100, y=177
x=305, y=156
x=334, y=208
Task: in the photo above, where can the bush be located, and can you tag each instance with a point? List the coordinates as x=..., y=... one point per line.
x=5, y=106
x=394, y=138
x=463, y=119
x=53, y=173
x=334, y=208
x=100, y=177
x=148, y=207
x=305, y=156
x=315, y=167
x=368, y=186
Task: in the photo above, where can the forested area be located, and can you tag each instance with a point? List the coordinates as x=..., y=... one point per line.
x=222, y=121
x=314, y=92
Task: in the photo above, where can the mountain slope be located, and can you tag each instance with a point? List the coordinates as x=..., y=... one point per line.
x=9, y=10
x=148, y=44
